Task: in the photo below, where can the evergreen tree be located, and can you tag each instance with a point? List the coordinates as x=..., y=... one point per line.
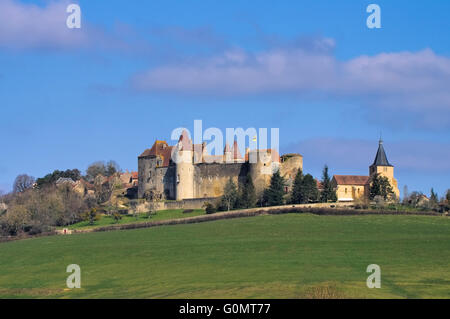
x=309, y=189
x=275, y=193
x=433, y=197
x=297, y=193
x=380, y=186
x=230, y=195
x=247, y=198
x=328, y=193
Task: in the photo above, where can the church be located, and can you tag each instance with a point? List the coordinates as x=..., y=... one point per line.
x=354, y=187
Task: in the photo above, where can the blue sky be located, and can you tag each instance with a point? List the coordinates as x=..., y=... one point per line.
x=136, y=70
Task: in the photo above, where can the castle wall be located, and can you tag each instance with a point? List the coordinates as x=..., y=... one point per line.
x=145, y=166
x=210, y=178
x=160, y=180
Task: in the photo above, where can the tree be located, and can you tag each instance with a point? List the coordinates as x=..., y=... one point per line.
x=22, y=183
x=95, y=169
x=309, y=189
x=111, y=168
x=209, y=208
x=380, y=186
x=91, y=216
x=297, y=192
x=230, y=195
x=304, y=189
x=433, y=197
x=247, y=198
x=328, y=193
x=51, y=178
x=275, y=193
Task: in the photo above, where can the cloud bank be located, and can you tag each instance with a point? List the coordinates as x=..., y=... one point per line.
x=413, y=84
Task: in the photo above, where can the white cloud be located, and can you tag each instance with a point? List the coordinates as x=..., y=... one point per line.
x=31, y=26
x=416, y=82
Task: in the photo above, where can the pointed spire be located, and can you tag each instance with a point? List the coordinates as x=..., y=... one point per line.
x=185, y=141
x=381, y=158
x=235, y=151
x=227, y=148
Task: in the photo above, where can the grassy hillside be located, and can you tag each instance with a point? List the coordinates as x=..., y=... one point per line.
x=140, y=218
x=284, y=256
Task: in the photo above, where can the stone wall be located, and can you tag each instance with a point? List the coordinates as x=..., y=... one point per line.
x=210, y=178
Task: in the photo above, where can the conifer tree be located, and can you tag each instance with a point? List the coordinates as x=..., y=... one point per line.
x=433, y=197
x=296, y=193
x=247, y=198
x=275, y=193
x=328, y=193
x=380, y=186
x=309, y=189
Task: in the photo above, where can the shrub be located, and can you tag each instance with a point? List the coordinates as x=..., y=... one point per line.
x=209, y=208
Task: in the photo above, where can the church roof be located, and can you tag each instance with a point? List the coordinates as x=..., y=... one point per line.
x=351, y=179
x=381, y=158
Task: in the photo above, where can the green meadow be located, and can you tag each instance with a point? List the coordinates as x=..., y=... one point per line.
x=273, y=256
x=107, y=220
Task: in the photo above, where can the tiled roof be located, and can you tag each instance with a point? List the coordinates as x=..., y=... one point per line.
x=351, y=179
x=235, y=151
x=186, y=143
x=161, y=149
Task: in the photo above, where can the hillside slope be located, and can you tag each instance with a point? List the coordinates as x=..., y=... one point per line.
x=283, y=256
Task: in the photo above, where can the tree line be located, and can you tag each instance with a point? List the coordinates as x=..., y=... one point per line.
x=38, y=205
x=304, y=190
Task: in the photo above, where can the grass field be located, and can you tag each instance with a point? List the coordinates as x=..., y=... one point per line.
x=274, y=256
x=140, y=218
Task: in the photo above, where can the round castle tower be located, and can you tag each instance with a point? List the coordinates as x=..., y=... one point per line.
x=184, y=168
x=262, y=164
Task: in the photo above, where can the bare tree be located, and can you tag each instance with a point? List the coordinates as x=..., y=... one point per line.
x=22, y=183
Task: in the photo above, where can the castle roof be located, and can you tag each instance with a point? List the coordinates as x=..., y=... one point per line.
x=185, y=141
x=381, y=158
x=235, y=151
x=161, y=149
x=351, y=179
x=226, y=148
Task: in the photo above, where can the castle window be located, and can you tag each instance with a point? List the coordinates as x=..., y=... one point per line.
x=178, y=178
x=385, y=169
x=346, y=190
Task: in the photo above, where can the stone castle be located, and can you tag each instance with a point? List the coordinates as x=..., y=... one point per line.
x=187, y=171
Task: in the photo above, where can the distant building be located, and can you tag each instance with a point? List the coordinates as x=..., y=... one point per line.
x=353, y=187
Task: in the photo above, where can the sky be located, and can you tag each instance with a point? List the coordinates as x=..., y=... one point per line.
x=136, y=70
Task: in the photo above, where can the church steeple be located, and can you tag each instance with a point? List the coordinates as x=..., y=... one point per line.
x=381, y=158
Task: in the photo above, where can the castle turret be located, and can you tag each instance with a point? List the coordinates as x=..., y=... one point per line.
x=184, y=168
x=262, y=164
x=382, y=167
x=227, y=155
